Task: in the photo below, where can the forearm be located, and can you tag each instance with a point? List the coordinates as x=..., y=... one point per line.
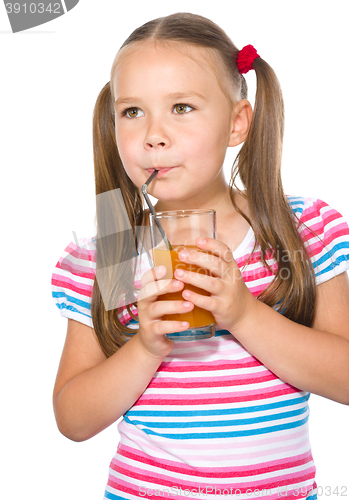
x=312, y=360
x=97, y=397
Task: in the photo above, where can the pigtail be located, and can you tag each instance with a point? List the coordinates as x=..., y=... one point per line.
x=115, y=241
x=259, y=166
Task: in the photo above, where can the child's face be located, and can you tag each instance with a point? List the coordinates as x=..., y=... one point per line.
x=171, y=114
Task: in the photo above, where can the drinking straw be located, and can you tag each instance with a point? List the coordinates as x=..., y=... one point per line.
x=152, y=210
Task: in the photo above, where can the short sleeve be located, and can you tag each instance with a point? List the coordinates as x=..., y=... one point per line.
x=72, y=281
x=326, y=236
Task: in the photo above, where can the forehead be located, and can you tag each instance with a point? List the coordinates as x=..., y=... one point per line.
x=174, y=64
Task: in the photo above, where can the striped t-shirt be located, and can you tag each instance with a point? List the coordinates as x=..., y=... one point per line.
x=214, y=420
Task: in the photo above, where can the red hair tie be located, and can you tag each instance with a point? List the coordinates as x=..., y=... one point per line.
x=245, y=58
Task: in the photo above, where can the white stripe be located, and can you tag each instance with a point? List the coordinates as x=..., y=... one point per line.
x=64, y=7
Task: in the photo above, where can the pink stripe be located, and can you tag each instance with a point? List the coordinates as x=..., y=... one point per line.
x=81, y=253
x=216, y=472
x=259, y=273
x=153, y=450
x=148, y=491
x=319, y=226
x=161, y=479
x=223, y=398
x=253, y=378
x=125, y=316
x=182, y=366
x=82, y=271
x=330, y=233
x=257, y=290
x=251, y=259
x=336, y=232
x=69, y=284
x=318, y=247
x=313, y=211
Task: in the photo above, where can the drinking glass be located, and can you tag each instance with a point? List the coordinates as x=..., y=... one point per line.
x=182, y=228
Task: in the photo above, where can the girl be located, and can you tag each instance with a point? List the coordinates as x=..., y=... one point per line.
x=227, y=415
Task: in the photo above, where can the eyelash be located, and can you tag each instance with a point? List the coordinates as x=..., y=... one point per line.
x=124, y=112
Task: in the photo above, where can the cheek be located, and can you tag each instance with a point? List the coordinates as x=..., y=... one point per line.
x=127, y=151
x=206, y=142
x=126, y=146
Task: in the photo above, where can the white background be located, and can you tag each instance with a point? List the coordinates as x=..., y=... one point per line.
x=50, y=78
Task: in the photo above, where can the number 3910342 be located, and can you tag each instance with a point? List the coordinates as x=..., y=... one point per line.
x=32, y=8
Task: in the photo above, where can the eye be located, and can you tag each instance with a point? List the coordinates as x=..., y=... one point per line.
x=181, y=109
x=133, y=112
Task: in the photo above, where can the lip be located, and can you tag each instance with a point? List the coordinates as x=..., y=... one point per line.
x=162, y=171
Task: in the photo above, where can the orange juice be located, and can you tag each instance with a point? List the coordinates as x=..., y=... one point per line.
x=198, y=317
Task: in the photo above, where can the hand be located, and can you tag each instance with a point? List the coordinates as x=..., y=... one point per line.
x=152, y=329
x=230, y=301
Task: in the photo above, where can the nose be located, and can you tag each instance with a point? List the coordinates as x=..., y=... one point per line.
x=156, y=136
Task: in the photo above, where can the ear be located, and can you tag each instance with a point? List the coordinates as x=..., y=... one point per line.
x=241, y=121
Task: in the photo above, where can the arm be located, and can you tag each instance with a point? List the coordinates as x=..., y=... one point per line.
x=92, y=391
x=313, y=359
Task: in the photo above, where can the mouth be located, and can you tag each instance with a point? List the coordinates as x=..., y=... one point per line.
x=162, y=171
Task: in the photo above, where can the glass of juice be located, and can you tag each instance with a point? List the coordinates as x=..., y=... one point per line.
x=182, y=228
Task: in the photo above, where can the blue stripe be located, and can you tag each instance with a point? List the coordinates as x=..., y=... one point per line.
x=218, y=333
x=334, y=262
x=71, y=308
x=133, y=322
x=217, y=423
x=227, y=411
x=111, y=496
x=297, y=208
x=73, y=300
x=296, y=200
x=230, y=434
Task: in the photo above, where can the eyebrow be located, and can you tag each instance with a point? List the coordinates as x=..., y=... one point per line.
x=174, y=96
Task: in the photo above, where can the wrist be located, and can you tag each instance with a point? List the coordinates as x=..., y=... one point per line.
x=250, y=317
x=155, y=349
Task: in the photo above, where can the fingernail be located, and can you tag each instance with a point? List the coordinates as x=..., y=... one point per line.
x=201, y=241
x=177, y=284
x=179, y=272
x=160, y=270
x=187, y=305
x=183, y=254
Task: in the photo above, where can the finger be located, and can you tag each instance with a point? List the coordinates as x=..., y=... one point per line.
x=163, y=327
x=153, y=274
x=206, y=262
x=164, y=307
x=218, y=248
x=204, y=301
x=153, y=289
x=206, y=282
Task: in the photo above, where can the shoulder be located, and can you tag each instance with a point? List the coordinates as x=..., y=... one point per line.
x=325, y=233
x=309, y=209
x=72, y=280
x=319, y=217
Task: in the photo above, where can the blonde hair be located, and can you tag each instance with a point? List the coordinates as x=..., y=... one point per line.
x=258, y=165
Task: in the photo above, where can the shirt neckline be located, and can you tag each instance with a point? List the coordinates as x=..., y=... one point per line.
x=241, y=249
